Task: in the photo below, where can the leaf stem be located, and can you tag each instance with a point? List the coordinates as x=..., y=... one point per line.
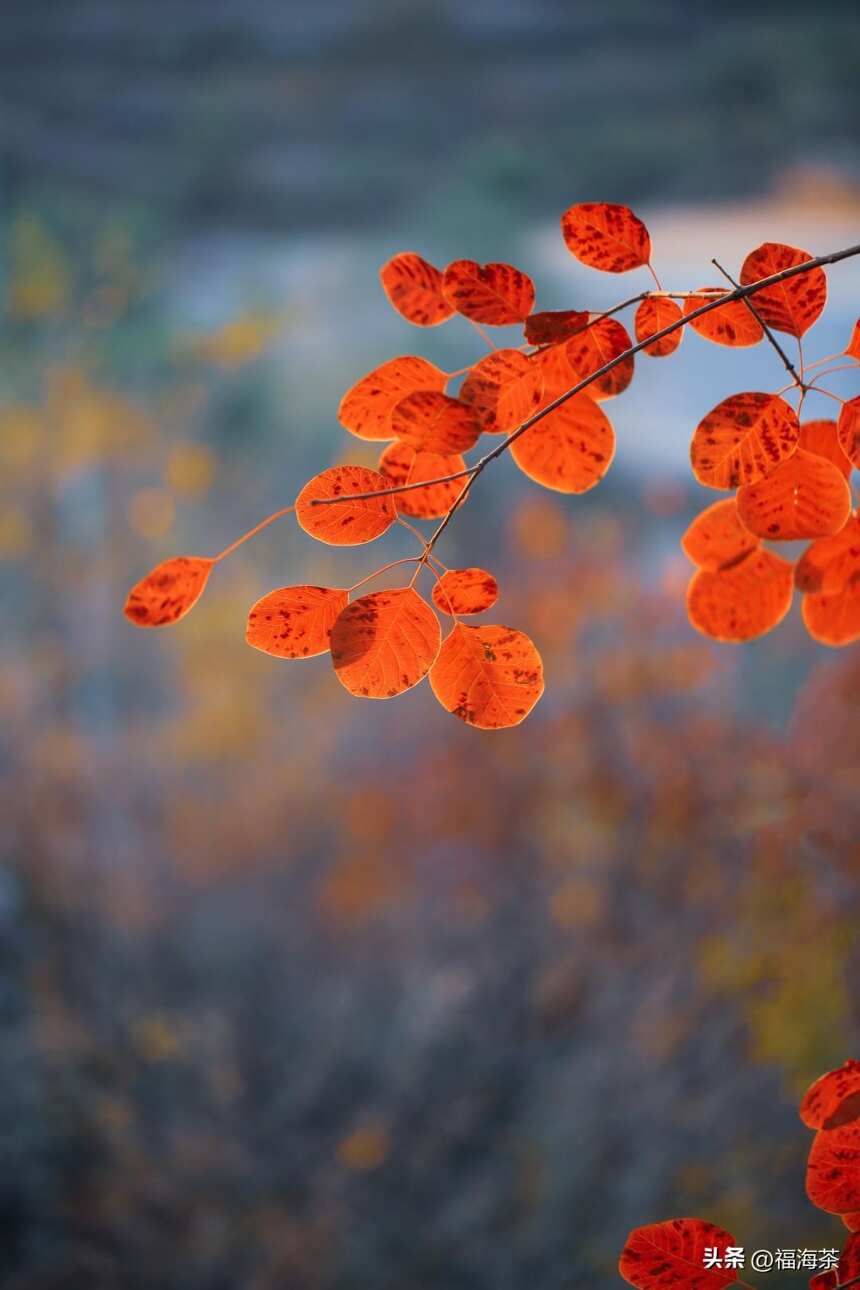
x=258, y=528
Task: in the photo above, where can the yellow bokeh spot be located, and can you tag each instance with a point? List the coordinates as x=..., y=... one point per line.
x=22, y=436
x=155, y=1038
x=190, y=469
x=365, y=1148
x=16, y=534
x=38, y=277
x=239, y=341
x=151, y=512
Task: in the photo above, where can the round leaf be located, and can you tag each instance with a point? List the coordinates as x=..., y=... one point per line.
x=401, y=464
x=830, y=563
x=653, y=315
x=805, y=497
x=489, y=293
x=848, y=429
x=490, y=677
x=743, y=439
x=295, y=622
x=365, y=410
x=384, y=643
x=606, y=236
x=504, y=389
x=414, y=287
x=433, y=422
x=823, y=1099
x=732, y=324
x=589, y=350
x=821, y=437
x=671, y=1256
x=716, y=539
x=834, y=619
x=347, y=523
x=793, y=305
x=570, y=449
x=465, y=591
x=167, y=593
x=743, y=602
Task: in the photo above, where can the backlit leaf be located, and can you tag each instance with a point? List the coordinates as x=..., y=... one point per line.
x=848, y=429
x=834, y=619
x=489, y=293
x=852, y=1221
x=503, y=389
x=823, y=1099
x=742, y=602
x=653, y=315
x=793, y=305
x=805, y=497
x=716, y=539
x=830, y=563
x=821, y=437
x=414, y=287
x=465, y=591
x=401, y=464
x=167, y=593
x=489, y=676
x=553, y=325
x=347, y=523
x=743, y=439
x=365, y=410
x=833, y=1169
x=732, y=324
x=606, y=236
x=570, y=450
x=671, y=1256
x=557, y=374
x=852, y=349
x=295, y=622
x=590, y=349
x=430, y=421
x=384, y=643
x=846, y=1270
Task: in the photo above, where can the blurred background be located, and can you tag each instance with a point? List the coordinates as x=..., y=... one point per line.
x=303, y=992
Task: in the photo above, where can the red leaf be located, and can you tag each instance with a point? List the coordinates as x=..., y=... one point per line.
x=848, y=429
x=742, y=602
x=554, y=325
x=570, y=450
x=295, y=622
x=793, y=305
x=365, y=410
x=852, y=349
x=433, y=422
x=717, y=539
x=489, y=676
x=465, y=591
x=821, y=437
x=605, y=236
x=653, y=315
x=168, y=592
x=743, y=439
x=671, y=1256
x=732, y=324
x=831, y=563
x=823, y=1099
x=385, y=643
x=834, y=619
x=589, y=350
x=489, y=293
x=805, y=497
x=347, y=523
x=833, y=1169
x=504, y=389
x=414, y=287
x=401, y=464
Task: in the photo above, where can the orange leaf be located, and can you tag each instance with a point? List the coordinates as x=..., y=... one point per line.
x=821, y=437
x=167, y=593
x=731, y=324
x=791, y=306
x=295, y=622
x=852, y=349
x=414, y=287
x=716, y=539
x=830, y=563
x=671, y=1256
x=489, y=293
x=465, y=591
x=365, y=410
x=834, y=619
x=384, y=643
x=490, y=677
x=504, y=389
x=432, y=422
x=570, y=450
x=805, y=497
x=824, y=1098
x=848, y=429
x=743, y=439
x=401, y=464
x=852, y=1221
x=654, y=314
x=556, y=371
x=743, y=602
x=348, y=523
x=605, y=236
x=554, y=325
x=833, y=1169
x=588, y=351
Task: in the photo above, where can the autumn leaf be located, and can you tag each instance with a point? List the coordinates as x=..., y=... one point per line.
x=430, y=421
x=346, y=523
x=833, y=1169
x=570, y=449
x=603, y=340
x=848, y=430
x=716, y=538
x=295, y=622
x=653, y=315
x=365, y=410
x=489, y=293
x=852, y=349
x=489, y=676
x=743, y=439
x=465, y=591
x=821, y=437
x=384, y=643
x=671, y=1256
x=834, y=619
x=793, y=305
x=504, y=389
x=731, y=324
x=554, y=325
x=414, y=287
x=606, y=236
x=830, y=563
x=805, y=497
x=741, y=602
x=401, y=464
x=824, y=1098
x=852, y=1221
x=168, y=592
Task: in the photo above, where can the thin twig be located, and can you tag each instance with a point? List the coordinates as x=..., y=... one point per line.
x=789, y=366
x=264, y=524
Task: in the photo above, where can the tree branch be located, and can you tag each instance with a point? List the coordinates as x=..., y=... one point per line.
x=767, y=331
